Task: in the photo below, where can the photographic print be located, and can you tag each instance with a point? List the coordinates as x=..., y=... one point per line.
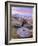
x=20, y=22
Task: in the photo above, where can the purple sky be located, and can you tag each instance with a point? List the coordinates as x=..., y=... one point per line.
x=22, y=11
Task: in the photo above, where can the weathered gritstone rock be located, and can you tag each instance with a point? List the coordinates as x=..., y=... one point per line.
x=23, y=32
x=15, y=22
